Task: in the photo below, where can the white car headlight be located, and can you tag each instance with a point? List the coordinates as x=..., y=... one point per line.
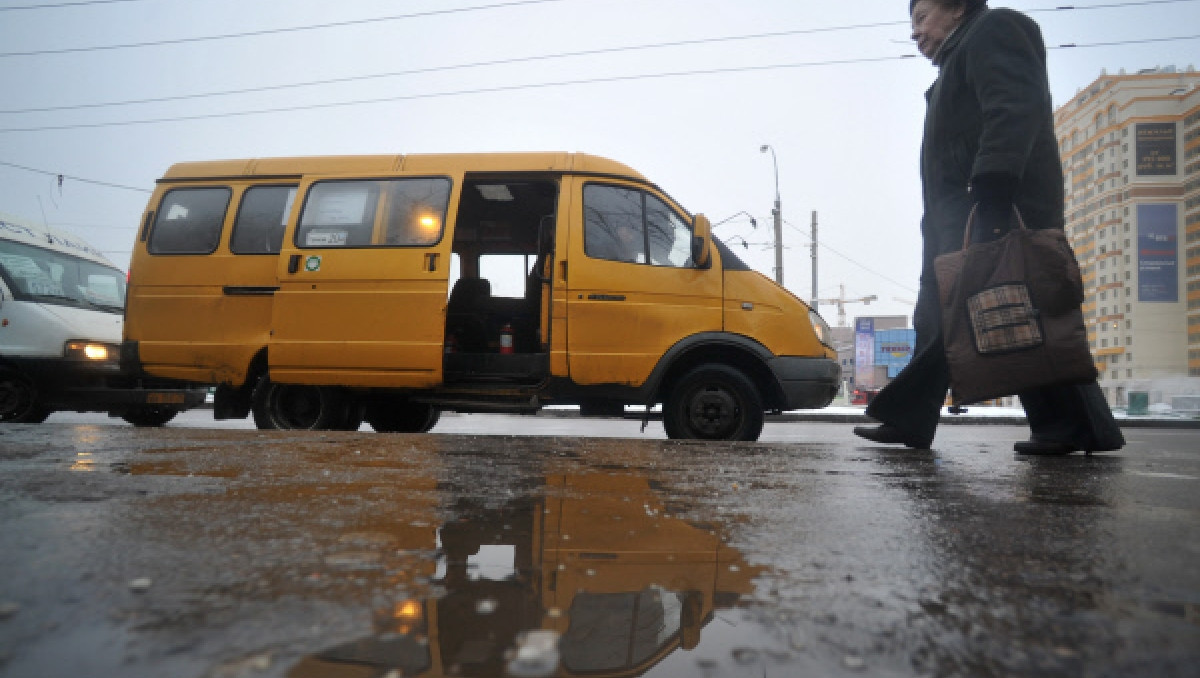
x=91, y=351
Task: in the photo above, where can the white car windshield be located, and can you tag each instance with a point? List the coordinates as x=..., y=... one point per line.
x=36, y=274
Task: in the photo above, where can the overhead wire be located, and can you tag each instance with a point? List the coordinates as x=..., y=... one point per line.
x=452, y=67
x=458, y=10
x=564, y=55
x=852, y=261
x=531, y=86
x=58, y=5
x=277, y=31
x=73, y=178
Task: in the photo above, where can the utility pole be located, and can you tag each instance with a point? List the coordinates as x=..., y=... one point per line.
x=778, y=214
x=814, y=258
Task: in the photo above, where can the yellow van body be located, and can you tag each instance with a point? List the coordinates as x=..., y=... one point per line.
x=315, y=292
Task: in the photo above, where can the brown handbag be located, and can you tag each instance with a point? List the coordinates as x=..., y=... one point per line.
x=1011, y=317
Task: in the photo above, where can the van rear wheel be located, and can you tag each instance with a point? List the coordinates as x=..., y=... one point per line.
x=402, y=416
x=18, y=400
x=714, y=402
x=299, y=407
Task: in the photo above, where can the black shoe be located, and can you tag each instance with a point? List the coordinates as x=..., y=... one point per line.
x=887, y=435
x=1044, y=448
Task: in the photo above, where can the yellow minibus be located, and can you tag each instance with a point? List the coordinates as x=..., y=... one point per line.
x=316, y=292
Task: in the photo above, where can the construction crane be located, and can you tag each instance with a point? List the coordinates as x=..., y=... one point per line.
x=841, y=302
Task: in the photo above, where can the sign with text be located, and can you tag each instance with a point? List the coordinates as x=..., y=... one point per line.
x=1158, y=252
x=864, y=352
x=1156, y=149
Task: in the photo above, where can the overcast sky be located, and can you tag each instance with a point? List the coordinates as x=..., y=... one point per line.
x=826, y=84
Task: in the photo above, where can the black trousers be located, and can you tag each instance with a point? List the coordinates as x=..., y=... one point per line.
x=1074, y=414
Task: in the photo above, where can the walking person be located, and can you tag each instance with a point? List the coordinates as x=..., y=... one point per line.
x=989, y=143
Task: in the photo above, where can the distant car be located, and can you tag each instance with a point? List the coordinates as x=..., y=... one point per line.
x=863, y=396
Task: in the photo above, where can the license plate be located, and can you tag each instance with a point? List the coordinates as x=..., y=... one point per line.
x=164, y=398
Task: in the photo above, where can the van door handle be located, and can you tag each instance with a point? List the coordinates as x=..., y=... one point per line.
x=431, y=261
x=293, y=263
x=606, y=297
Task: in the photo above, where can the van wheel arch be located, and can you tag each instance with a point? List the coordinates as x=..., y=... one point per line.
x=746, y=356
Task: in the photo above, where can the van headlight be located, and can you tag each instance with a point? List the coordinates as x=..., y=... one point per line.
x=824, y=334
x=91, y=351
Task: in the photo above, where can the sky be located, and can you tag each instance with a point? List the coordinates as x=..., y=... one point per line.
x=684, y=91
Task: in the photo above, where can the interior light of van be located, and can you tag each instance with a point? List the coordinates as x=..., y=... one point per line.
x=428, y=223
x=89, y=351
x=498, y=192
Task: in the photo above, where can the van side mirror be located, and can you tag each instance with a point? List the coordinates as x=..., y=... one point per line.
x=701, y=230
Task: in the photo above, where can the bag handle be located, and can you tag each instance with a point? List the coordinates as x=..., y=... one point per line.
x=971, y=219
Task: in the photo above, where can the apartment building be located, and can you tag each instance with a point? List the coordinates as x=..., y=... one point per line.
x=1130, y=146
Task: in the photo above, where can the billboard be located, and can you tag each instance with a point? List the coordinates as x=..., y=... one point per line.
x=894, y=348
x=864, y=351
x=1155, y=149
x=1158, y=252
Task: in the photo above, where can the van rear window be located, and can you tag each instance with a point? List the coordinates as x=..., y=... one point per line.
x=376, y=213
x=189, y=221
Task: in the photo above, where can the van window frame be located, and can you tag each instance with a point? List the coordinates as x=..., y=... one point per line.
x=237, y=219
x=160, y=216
x=643, y=194
x=375, y=197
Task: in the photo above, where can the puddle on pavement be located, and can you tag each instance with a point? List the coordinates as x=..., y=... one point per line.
x=588, y=573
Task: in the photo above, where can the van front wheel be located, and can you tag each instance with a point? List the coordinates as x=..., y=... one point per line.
x=299, y=407
x=713, y=402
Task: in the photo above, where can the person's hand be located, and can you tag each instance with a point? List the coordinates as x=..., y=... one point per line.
x=993, y=194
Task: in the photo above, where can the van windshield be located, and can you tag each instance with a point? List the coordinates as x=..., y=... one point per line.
x=45, y=276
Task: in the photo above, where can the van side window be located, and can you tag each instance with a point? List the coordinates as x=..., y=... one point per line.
x=379, y=213
x=622, y=224
x=189, y=221
x=261, y=218
x=612, y=227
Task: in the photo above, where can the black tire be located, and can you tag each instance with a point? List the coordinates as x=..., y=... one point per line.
x=19, y=400
x=258, y=407
x=150, y=417
x=402, y=416
x=355, y=414
x=299, y=407
x=713, y=402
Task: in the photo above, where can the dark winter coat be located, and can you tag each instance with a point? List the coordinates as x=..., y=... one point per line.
x=988, y=112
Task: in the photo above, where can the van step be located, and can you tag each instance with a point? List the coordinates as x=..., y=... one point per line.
x=486, y=405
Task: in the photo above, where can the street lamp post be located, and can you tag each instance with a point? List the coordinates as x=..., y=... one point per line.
x=778, y=214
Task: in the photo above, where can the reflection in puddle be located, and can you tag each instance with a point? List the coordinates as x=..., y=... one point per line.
x=588, y=574
x=83, y=462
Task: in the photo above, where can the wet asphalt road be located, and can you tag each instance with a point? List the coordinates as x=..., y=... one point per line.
x=191, y=551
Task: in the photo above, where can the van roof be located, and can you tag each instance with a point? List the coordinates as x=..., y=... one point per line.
x=48, y=237
x=366, y=164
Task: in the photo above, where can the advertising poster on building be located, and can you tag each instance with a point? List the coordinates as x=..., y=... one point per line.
x=1158, y=252
x=864, y=352
x=894, y=348
x=1156, y=149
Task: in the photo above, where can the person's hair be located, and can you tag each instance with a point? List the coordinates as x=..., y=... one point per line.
x=968, y=5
